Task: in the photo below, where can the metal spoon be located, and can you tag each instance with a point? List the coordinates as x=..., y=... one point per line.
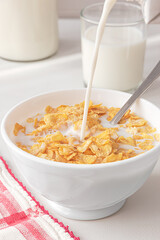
x=140, y=90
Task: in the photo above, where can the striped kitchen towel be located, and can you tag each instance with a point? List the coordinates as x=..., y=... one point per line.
x=22, y=217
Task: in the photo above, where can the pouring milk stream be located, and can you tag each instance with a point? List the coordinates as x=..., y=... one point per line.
x=106, y=10
x=147, y=5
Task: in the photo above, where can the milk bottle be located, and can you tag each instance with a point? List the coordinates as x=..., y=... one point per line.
x=28, y=29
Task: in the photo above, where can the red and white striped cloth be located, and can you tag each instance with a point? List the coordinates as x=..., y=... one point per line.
x=22, y=217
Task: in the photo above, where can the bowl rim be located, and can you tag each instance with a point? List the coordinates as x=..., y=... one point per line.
x=33, y=158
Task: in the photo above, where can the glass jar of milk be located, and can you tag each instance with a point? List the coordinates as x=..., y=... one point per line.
x=28, y=29
x=122, y=49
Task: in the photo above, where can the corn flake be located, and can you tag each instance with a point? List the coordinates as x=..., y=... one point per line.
x=101, y=144
x=18, y=128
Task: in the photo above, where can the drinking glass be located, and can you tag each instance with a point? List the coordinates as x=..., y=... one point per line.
x=122, y=49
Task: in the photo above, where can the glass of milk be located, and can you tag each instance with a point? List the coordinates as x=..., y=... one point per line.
x=28, y=29
x=122, y=49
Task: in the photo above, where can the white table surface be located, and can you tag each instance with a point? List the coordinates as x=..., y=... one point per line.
x=139, y=219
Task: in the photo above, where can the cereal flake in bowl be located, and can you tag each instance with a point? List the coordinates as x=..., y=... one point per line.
x=55, y=135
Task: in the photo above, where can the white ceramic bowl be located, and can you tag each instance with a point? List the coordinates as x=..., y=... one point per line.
x=82, y=191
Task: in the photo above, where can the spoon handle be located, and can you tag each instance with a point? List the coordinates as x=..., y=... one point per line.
x=140, y=90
